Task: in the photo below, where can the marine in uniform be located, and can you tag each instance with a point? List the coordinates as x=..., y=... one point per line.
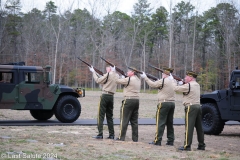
x=130, y=105
x=109, y=86
x=165, y=107
x=193, y=111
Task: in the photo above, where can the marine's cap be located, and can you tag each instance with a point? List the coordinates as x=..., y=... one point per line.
x=167, y=70
x=132, y=69
x=192, y=74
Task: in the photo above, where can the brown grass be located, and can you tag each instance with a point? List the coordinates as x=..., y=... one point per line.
x=75, y=142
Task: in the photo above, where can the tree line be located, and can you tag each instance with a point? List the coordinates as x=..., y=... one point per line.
x=183, y=39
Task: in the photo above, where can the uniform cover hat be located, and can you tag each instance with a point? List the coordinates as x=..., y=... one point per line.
x=192, y=74
x=167, y=70
x=132, y=69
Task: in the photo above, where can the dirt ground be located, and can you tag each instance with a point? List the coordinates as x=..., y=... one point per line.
x=76, y=142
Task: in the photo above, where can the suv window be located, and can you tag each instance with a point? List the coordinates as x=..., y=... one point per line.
x=31, y=77
x=237, y=84
x=6, y=77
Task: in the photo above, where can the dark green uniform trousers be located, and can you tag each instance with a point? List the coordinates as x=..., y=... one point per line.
x=105, y=107
x=129, y=112
x=164, y=117
x=193, y=118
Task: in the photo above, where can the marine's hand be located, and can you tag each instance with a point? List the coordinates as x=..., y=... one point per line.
x=143, y=75
x=91, y=69
x=113, y=68
x=170, y=76
x=180, y=83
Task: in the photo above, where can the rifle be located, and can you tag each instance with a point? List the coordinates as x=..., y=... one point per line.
x=112, y=65
x=148, y=75
x=89, y=65
x=174, y=76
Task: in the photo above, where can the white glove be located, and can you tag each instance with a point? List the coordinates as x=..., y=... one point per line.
x=91, y=69
x=113, y=68
x=180, y=83
x=170, y=76
x=143, y=75
x=122, y=76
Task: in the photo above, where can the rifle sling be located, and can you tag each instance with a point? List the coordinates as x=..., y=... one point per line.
x=162, y=85
x=106, y=79
x=186, y=93
x=128, y=82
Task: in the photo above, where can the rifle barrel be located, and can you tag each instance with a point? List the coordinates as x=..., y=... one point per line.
x=112, y=65
x=148, y=75
x=174, y=76
x=97, y=70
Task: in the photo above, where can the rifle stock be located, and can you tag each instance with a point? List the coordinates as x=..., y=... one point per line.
x=174, y=76
x=148, y=75
x=112, y=65
x=98, y=71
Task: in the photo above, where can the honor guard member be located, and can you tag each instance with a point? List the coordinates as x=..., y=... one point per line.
x=165, y=107
x=109, y=87
x=130, y=105
x=193, y=111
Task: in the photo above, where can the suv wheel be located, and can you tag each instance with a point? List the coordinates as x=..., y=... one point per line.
x=41, y=115
x=211, y=120
x=67, y=109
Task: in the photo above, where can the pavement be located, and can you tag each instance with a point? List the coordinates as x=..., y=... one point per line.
x=142, y=121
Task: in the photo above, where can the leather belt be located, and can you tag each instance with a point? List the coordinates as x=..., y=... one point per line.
x=107, y=92
x=129, y=97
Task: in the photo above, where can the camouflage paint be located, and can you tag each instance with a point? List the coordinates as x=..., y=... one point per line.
x=20, y=95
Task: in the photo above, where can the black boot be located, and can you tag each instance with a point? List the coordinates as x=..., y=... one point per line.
x=182, y=148
x=169, y=143
x=98, y=137
x=153, y=143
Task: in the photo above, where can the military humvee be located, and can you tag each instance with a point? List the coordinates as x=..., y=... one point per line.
x=28, y=88
x=221, y=106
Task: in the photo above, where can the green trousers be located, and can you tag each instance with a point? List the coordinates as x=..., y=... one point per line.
x=129, y=112
x=164, y=117
x=105, y=108
x=193, y=118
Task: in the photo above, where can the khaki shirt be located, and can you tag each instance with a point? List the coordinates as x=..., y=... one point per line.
x=194, y=95
x=111, y=85
x=133, y=88
x=165, y=94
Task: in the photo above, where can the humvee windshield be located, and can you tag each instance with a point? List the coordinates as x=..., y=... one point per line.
x=32, y=77
x=6, y=77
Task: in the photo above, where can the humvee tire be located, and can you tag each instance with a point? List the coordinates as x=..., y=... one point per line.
x=211, y=120
x=42, y=115
x=67, y=109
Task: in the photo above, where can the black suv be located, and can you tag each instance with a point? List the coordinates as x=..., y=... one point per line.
x=221, y=106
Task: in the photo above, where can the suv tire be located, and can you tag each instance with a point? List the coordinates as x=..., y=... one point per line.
x=67, y=109
x=41, y=115
x=211, y=120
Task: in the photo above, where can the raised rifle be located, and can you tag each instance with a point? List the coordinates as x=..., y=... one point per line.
x=112, y=65
x=140, y=72
x=89, y=65
x=174, y=76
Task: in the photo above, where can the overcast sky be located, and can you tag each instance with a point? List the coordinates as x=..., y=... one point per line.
x=125, y=6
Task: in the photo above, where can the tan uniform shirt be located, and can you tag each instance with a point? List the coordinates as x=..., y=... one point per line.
x=194, y=95
x=165, y=94
x=133, y=88
x=110, y=85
